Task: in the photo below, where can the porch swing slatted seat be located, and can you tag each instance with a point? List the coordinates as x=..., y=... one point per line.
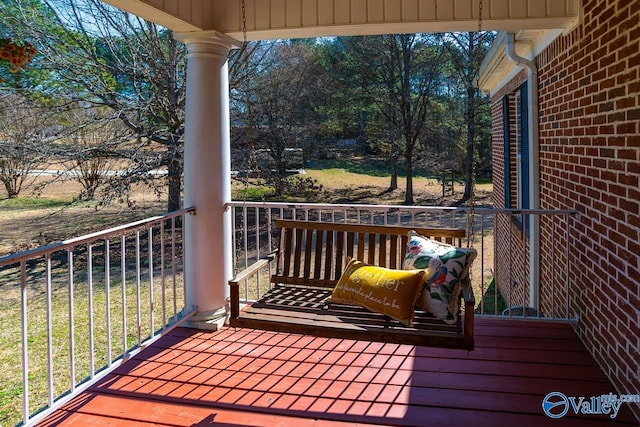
x=308, y=264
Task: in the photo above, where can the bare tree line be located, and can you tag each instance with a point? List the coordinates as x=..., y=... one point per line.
x=106, y=90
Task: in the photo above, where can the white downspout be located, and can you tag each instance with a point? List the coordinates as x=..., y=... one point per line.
x=534, y=167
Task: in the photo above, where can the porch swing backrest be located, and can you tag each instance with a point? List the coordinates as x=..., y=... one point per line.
x=315, y=254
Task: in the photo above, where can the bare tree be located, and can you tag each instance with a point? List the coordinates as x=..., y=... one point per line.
x=276, y=106
x=92, y=53
x=94, y=146
x=22, y=149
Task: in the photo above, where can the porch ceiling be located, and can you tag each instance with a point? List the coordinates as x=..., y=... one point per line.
x=272, y=19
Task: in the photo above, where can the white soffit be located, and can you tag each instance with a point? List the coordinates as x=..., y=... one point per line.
x=272, y=19
x=158, y=11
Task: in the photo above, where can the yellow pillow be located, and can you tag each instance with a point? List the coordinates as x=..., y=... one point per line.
x=382, y=290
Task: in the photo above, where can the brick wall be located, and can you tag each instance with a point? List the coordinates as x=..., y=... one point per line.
x=590, y=161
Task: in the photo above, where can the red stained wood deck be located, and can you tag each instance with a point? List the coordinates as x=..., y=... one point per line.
x=245, y=377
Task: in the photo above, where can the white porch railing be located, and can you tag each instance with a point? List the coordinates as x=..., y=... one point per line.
x=499, y=236
x=81, y=307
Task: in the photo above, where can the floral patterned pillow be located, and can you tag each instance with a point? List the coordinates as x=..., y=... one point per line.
x=447, y=270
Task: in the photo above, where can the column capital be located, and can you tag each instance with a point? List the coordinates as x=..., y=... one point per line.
x=213, y=38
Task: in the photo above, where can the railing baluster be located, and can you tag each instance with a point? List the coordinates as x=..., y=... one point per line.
x=481, y=254
x=123, y=280
x=553, y=269
x=151, y=285
x=245, y=237
x=495, y=284
x=257, y=243
x=25, y=340
x=138, y=301
x=525, y=255
x=49, y=329
x=234, y=241
x=257, y=224
x=566, y=267
x=92, y=365
x=163, y=276
x=107, y=285
x=72, y=359
x=510, y=284
x=173, y=269
x=184, y=259
x=270, y=238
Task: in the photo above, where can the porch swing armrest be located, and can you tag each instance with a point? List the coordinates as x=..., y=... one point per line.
x=234, y=283
x=467, y=327
x=467, y=296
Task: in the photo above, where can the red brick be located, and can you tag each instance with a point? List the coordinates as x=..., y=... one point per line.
x=634, y=60
x=629, y=127
x=633, y=114
x=631, y=154
x=618, y=116
x=631, y=206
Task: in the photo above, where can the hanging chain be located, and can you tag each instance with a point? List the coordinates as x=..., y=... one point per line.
x=479, y=17
x=248, y=135
x=244, y=23
x=478, y=47
x=252, y=165
x=472, y=196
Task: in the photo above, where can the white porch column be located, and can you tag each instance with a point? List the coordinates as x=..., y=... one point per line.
x=207, y=184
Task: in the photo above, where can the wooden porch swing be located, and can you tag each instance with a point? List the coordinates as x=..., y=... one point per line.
x=309, y=262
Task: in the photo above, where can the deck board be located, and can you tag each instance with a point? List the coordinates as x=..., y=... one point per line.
x=246, y=377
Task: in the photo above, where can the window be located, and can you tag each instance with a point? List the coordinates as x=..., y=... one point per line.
x=522, y=147
x=515, y=111
x=506, y=138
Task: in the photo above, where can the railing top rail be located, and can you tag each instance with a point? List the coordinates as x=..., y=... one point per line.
x=392, y=208
x=368, y=228
x=88, y=238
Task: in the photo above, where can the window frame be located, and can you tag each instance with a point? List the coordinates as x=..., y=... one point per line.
x=516, y=149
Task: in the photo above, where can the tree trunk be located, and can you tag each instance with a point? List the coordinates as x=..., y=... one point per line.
x=393, y=185
x=471, y=120
x=279, y=178
x=12, y=193
x=471, y=132
x=408, y=195
x=13, y=185
x=175, y=183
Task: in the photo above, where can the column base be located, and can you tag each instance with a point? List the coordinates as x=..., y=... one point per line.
x=208, y=320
